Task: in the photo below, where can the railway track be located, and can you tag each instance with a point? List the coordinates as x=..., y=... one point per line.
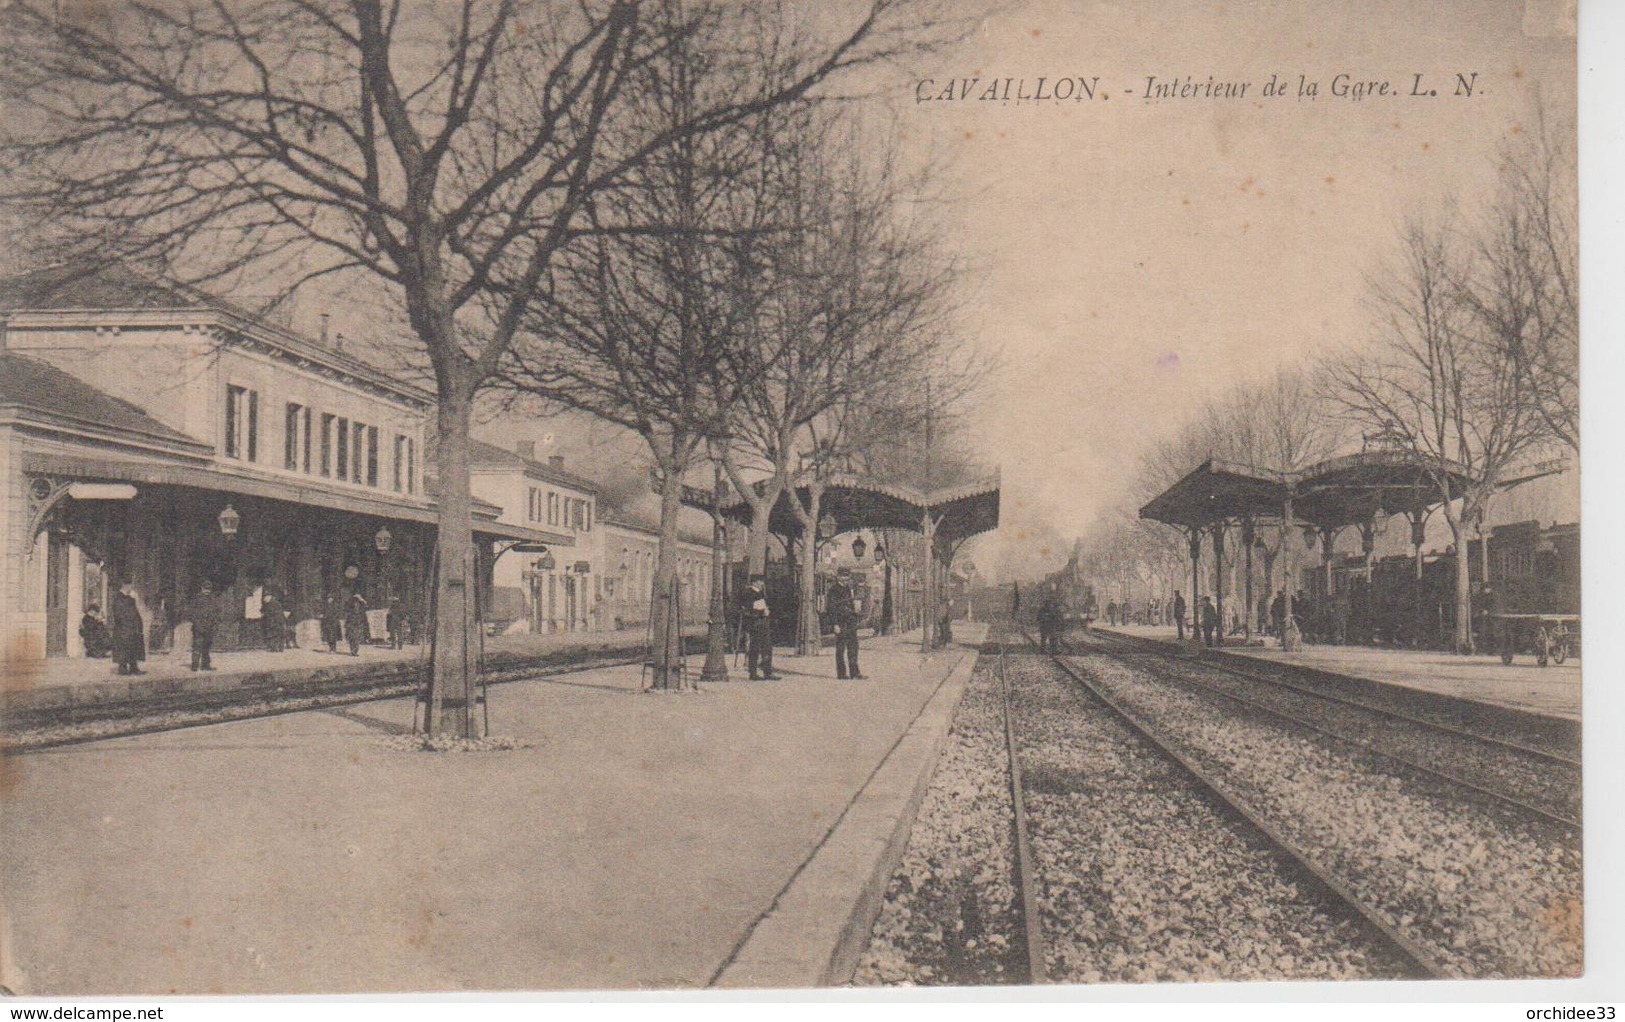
x=1532, y=782
x=1306, y=922
x=59, y=729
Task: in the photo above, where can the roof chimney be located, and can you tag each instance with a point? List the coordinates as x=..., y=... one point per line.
x=325, y=318
x=338, y=342
x=556, y=461
x=526, y=449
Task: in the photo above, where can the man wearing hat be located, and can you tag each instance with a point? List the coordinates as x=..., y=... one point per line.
x=204, y=613
x=841, y=603
x=754, y=611
x=129, y=632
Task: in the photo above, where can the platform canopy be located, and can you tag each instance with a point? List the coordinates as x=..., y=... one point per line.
x=1333, y=494
x=856, y=502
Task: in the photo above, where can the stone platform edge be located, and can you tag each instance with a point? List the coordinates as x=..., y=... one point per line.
x=21, y=704
x=819, y=927
x=1565, y=725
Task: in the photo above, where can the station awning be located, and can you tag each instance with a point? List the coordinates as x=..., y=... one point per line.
x=1332, y=494
x=395, y=507
x=856, y=502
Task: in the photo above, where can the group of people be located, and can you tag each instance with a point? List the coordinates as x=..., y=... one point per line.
x=122, y=635
x=843, y=609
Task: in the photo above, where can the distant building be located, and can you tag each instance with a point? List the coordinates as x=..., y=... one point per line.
x=151, y=432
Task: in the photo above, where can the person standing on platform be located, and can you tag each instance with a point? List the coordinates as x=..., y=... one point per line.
x=204, y=613
x=273, y=625
x=93, y=633
x=1179, y=614
x=355, y=622
x=129, y=632
x=332, y=622
x=1278, y=614
x=842, y=604
x=1210, y=620
x=756, y=614
x=397, y=624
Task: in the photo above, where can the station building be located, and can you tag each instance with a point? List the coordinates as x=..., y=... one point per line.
x=154, y=433
x=603, y=581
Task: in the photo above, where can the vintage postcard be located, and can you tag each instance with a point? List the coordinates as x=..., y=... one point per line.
x=515, y=496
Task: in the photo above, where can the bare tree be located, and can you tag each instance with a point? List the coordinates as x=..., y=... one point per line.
x=1522, y=283
x=447, y=152
x=1441, y=387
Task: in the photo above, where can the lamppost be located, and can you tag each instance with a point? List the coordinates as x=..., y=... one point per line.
x=885, y=591
x=380, y=542
x=229, y=521
x=716, y=631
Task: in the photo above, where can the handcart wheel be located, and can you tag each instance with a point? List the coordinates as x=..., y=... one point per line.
x=1560, y=652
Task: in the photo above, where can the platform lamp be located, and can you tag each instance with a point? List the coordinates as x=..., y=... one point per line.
x=380, y=542
x=230, y=521
x=859, y=548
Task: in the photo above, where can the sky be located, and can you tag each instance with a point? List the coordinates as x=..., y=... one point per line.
x=1130, y=258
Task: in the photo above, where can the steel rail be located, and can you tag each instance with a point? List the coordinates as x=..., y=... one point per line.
x=1026, y=877
x=1420, y=962
x=1365, y=746
x=1154, y=648
x=221, y=713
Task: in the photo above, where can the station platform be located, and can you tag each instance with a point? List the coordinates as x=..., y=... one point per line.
x=738, y=836
x=1552, y=691
x=28, y=687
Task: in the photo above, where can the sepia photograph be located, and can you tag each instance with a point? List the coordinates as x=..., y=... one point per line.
x=530, y=497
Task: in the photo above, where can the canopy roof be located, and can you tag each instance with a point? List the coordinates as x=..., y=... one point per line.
x=856, y=502
x=1330, y=495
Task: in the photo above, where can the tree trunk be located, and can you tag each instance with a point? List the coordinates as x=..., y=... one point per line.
x=810, y=638
x=1464, y=590
x=451, y=678
x=665, y=620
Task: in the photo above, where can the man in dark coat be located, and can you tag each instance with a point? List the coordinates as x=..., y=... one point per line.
x=204, y=613
x=129, y=632
x=396, y=624
x=1210, y=620
x=355, y=622
x=332, y=622
x=93, y=632
x=841, y=603
x=754, y=611
x=1179, y=614
x=274, y=623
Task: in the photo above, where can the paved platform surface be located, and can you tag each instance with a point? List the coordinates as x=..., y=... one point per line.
x=639, y=840
x=59, y=681
x=1553, y=690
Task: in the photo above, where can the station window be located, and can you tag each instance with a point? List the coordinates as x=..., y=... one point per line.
x=341, y=447
x=372, y=455
x=290, y=435
x=242, y=423
x=358, y=439
x=327, y=443
x=397, y=479
x=411, y=465
x=552, y=508
x=305, y=428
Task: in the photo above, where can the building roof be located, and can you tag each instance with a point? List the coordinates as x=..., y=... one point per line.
x=623, y=520
x=490, y=454
x=63, y=399
x=63, y=290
